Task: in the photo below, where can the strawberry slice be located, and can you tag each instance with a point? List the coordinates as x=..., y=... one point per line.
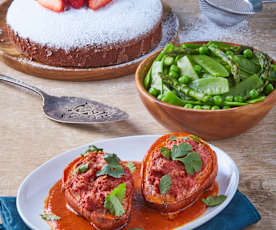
x=76, y=3
x=54, y=5
x=96, y=4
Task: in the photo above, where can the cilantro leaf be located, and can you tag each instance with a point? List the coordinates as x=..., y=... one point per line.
x=49, y=217
x=91, y=148
x=115, y=171
x=212, y=201
x=131, y=166
x=166, y=152
x=112, y=168
x=165, y=184
x=111, y=159
x=113, y=201
x=82, y=168
x=192, y=162
x=180, y=150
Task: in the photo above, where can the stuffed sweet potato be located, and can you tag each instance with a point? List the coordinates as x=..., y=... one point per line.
x=100, y=188
x=177, y=169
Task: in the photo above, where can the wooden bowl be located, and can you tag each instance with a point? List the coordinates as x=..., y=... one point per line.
x=208, y=124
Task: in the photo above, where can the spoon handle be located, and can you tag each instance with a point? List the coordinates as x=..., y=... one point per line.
x=22, y=84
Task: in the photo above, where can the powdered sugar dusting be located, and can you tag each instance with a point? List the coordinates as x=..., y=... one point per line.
x=200, y=28
x=119, y=21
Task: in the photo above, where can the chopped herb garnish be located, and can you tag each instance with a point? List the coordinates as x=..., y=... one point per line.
x=49, y=217
x=92, y=148
x=212, y=201
x=180, y=150
x=192, y=162
x=113, y=201
x=131, y=166
x=166, y=152
x=112, y=168
x=82, y=168
x=165, y=184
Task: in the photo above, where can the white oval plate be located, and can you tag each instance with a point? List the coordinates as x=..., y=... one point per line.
x=34, y=189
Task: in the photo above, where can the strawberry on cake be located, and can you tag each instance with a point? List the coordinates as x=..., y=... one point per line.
x=84, y=33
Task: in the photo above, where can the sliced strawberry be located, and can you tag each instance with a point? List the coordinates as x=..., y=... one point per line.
x=54, y=5
x=76, y=3
x=96, y=4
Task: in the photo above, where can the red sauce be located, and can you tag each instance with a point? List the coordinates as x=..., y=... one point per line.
x=142, y=216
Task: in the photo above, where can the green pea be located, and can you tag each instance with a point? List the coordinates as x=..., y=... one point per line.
x=217, y=100
x=268, y=89
x=188, y=106
x=168, y=61
x=226, y=107
x=206, y=107
x=154, y=92
x=238, y=98
x=229, y=53
x=248, y=53
x=184, y=79
x=160, y=97
x=175, y=68
x=229, y=98
x=173, y=74
x=197, y=107
x=203, y=50
x=215, y=107
x=253, y=93
x=197, y=68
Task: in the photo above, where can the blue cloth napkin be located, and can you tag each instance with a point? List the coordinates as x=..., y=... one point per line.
x=236, y=216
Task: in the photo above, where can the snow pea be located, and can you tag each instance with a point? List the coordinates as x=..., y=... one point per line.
x=156, y=81
x=171, y=98
x=244, y=74
x=245, y=64
x=169, y=47
x=211, y=65
x=211, y=85
x=186, y=67
x=243, y=88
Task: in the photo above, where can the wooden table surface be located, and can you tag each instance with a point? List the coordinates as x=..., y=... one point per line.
x=28, y=138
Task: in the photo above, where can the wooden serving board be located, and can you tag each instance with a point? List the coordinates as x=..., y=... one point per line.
x=13, y=58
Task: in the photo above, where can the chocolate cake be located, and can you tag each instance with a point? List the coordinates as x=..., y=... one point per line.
x=119, y=32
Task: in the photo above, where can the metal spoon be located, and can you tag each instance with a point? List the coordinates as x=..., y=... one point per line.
x=230, y=12
x=73, y=109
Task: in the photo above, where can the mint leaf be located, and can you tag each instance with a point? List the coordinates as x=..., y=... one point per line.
x=131, y=166
x=212, y=201
x=192, y=162
x=165, y=184
x=82, y=168
x=91, y=148
x=111, y=159
x=112, y=168
x=166, y=152
x=115, y=171
x=49, y=217
x=180, y=150
x=113, y=201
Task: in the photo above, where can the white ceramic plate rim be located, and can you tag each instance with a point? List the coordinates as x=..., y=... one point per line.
x=230, y=192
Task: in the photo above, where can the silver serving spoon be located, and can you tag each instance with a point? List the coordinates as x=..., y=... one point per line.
x=230, y=12
x=73, y=109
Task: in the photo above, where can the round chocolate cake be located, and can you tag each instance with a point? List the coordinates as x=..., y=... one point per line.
x=116, y=33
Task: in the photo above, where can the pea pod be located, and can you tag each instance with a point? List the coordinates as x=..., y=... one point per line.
x=243, y=88
x=156, y=82
x=166, y=49
x=186, y=67
x=173, y=99
x=246, y=65
x=211, y=85
x=211, y=65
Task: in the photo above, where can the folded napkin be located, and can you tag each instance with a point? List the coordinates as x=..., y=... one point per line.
x=237, y=215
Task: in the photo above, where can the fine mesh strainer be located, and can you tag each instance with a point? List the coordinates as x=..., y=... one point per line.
x=230, y=12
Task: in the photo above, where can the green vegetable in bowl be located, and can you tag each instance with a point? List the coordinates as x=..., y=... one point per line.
x=210, y=76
